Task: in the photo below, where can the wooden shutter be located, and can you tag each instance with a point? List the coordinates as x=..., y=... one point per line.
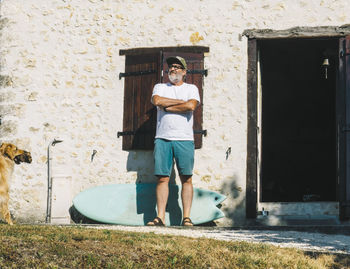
x=195, y=61
x=142, y=72
x=343, y=122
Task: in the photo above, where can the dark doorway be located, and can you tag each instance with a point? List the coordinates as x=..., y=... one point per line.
x=298, y=122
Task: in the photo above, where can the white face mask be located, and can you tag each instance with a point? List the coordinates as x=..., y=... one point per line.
x=175, y=77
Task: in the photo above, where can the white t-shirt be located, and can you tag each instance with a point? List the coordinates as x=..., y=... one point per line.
x=175, y=126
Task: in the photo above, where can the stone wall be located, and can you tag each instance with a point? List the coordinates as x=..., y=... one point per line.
x=59, y=79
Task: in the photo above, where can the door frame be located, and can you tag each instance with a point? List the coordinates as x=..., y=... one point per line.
x=343, y=127
x=252, y=130
x=342, y=121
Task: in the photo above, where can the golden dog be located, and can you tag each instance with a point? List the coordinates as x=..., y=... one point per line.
x=9, y=155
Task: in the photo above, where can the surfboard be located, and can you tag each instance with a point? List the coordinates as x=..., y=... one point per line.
x=135, y=204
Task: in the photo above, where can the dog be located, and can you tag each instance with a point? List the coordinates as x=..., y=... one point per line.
x=9, y=156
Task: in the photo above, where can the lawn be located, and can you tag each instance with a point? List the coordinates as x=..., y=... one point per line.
x=45, y=246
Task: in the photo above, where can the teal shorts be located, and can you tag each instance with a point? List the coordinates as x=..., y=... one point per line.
x=165, y=151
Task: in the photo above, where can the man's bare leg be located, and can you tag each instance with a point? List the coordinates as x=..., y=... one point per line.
x=162, y=194
x=186, y=196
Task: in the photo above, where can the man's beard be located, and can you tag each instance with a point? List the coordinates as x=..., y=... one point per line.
x=175, y=77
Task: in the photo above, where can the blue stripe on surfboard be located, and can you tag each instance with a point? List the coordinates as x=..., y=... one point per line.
x=135, y=204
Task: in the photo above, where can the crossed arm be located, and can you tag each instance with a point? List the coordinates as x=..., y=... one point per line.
x=174, y=105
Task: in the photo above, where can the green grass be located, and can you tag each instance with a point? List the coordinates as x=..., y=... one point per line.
x=41, y=246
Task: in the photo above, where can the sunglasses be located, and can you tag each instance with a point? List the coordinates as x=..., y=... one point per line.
x=176, y=67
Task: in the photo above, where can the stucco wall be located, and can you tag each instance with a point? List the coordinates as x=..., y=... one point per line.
x=59, y=74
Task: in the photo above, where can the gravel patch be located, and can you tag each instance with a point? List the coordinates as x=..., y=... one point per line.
x=307, y=241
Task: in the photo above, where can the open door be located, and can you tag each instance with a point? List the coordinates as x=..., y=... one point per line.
x=343, y=121
x=305, y=125
x=294, y=148
x=298, y=123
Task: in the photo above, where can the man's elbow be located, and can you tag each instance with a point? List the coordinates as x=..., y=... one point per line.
x=192, y=105
x=191, y=108
x=155, y=100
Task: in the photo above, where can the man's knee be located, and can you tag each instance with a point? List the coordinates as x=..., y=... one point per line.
x=186, y=179
x=163, y=179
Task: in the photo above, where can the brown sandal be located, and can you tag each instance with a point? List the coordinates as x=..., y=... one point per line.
x=156, y=222
x=187, y=222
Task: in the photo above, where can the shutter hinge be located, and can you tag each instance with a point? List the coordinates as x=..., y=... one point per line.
x=133, y=133
x=202, y=132
x=119, y=134
x=203, y=72
x=138, y=73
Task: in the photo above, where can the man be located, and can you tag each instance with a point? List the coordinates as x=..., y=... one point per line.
x=175, y=103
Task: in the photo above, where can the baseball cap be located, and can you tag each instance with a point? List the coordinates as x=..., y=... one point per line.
x=176, y=60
